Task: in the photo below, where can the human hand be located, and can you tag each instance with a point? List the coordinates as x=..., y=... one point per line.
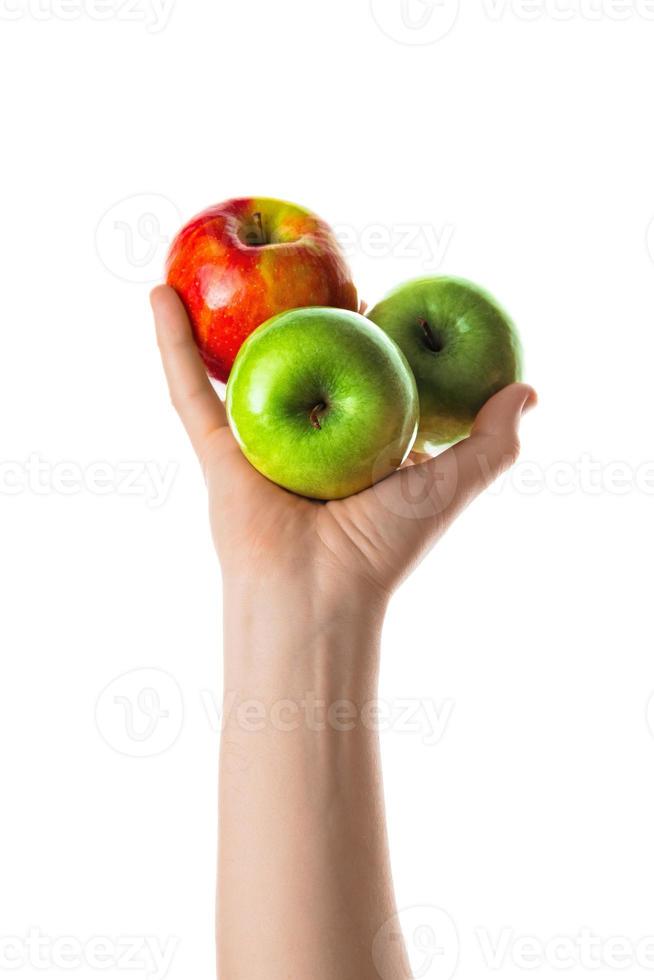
x=305, y=589
x=367, y=542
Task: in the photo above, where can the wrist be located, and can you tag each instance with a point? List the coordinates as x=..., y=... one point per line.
x=288, y=636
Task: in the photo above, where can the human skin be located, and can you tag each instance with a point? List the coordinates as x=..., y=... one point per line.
x=304, y=882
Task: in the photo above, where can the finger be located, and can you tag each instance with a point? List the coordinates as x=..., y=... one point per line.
x=432, y=493
x=191, y=392
x=493, y=445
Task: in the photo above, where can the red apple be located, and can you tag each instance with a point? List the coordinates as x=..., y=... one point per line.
x=241, y=262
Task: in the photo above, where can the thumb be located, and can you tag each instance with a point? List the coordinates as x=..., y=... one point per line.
x=431, y=494
x=418, y=503
x=492, y=446
x=494, y=443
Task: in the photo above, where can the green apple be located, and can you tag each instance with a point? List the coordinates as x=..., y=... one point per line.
x=322, y=402
x=462, y=348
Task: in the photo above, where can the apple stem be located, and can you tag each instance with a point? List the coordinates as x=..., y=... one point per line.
x=430, y=339
x=314, y=416
x=258, y=220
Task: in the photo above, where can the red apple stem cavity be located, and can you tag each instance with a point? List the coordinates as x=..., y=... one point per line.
x=430, y=338
x=314, y=416
x=258, y=220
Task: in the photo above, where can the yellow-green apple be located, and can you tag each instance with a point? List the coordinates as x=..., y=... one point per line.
x=462, y=348
x=322, y=402
x=238, y=263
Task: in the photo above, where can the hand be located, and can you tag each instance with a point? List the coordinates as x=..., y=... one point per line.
x=370, y=540
x=302, y=837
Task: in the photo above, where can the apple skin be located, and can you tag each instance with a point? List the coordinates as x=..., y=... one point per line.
x=462, y=348
x=234, y=270
x=304, y=359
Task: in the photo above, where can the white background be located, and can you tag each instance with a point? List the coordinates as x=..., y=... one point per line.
x=520, y=142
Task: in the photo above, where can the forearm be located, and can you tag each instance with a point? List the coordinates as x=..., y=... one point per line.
x=304, y=881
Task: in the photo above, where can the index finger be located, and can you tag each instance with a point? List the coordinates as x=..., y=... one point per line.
x=191, y=392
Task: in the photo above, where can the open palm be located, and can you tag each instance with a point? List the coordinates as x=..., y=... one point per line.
x=376, y=536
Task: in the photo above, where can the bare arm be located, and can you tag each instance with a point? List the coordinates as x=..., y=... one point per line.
x=303, y=874
x=300, y=792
